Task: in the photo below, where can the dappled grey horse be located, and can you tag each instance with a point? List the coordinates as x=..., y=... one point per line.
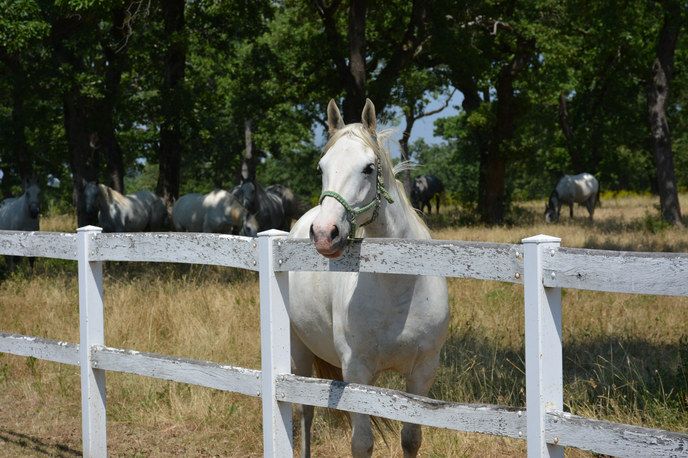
x=217, y=212
x=138, y=212
x=423, y=189
x=579, y=189
x=21, y=214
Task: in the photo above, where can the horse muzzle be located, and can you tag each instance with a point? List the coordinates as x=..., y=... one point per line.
x=329, y=239
x=91, y=210
x=33, y=210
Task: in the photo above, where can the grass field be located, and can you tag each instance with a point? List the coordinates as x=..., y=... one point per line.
x=625, y=356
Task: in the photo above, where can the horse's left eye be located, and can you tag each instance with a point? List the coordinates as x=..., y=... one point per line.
x=319, y=169
x=369, y=169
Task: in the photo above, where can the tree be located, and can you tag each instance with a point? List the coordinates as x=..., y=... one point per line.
x=657, y=101
x=172, y=103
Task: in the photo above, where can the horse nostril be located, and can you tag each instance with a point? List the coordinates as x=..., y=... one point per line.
x=312, y=233
x=334, y=233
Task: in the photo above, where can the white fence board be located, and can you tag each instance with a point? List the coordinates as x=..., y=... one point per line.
x=190, y=248
x=484, y=261
x=617, y=271
x=614, y=439
x=37, y=347
x=183, y=370
x=57, y=245
x=397, y=405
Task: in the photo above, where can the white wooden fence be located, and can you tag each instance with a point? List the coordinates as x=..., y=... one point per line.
x=540, y=264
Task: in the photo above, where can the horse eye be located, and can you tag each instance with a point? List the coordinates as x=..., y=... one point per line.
x=319, y=169
x=369, y=169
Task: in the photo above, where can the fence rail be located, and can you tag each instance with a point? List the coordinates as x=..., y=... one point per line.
x=540, y=264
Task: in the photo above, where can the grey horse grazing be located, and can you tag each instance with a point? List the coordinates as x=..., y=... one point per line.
x=217, y=212
x=423, y=189
x=21, y=214
x=138, y=212
x=579, y=189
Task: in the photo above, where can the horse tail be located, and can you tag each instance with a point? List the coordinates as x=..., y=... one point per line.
x=325, y=370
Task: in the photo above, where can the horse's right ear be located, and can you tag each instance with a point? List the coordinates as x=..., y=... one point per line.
x=334, y=118
x=368, y=117
x=83, y=182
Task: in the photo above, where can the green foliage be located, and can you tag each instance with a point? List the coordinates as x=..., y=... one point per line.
x=21, y=24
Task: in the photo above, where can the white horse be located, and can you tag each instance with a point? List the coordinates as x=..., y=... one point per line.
x=364, y=323
x=138, y=212
x=21, y=214
x=217, y=212
x=582, y=189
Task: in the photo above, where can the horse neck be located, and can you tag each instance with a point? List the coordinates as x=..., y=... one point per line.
x=398, y=219
x=107, y=200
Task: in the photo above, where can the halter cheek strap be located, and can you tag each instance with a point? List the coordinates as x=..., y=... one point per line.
x=354, y=212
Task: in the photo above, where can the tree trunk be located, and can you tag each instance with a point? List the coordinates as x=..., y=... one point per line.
x=403, y=144
x=106, y=106
x=495, y=163
x=249, y=163
x=356, y=89
x=568, y=134
x=83, y=159
x=657, y=101
x=352, y=71
x=21, y=149
x=172, y=106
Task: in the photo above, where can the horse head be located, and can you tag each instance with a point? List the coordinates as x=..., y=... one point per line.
x=250, y=227
x=551, y=214
x=33, y=199
x=351, y=180
x=91, y=194
x=247, y=193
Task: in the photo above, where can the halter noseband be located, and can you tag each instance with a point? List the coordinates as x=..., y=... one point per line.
x=354, y=212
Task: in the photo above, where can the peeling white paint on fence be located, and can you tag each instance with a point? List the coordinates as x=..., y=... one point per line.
x=398, y=405
x=542, y=274
x=56, y=245
x=617, y=271
x=191, y=248
x=182, y=370
x=446, y=258
x=37, y=347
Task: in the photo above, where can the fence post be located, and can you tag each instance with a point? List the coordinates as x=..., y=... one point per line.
x=275, y=348
x=92, y=333
x=544, y=386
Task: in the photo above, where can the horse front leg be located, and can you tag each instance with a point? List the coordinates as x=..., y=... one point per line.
x=302, y=364
x=571, y=209
x=362, y=438
x=419, y=382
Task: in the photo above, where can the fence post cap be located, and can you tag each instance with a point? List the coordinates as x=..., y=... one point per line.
x=542, y=238
x=272, y=233
x=90, y=229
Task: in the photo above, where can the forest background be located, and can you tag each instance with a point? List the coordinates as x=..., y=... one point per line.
x=180, y=97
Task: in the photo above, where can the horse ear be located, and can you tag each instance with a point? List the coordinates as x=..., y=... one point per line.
x=368, y=117
x=334, y=119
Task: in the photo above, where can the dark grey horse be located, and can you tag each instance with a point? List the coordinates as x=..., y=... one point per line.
x=424, y=189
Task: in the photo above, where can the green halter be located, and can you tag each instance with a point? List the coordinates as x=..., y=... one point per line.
x=353, y=213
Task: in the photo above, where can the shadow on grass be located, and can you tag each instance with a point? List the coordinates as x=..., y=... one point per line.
x=26, y=442
x=611, y=375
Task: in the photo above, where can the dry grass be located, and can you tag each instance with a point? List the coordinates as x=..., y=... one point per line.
x=625, y=356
